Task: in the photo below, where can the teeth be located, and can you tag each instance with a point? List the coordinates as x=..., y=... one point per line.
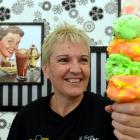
x=10, y=51
x=74, y=80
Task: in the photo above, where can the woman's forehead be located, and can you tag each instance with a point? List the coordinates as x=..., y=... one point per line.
x=69, y=46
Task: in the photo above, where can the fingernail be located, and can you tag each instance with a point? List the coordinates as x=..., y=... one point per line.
x=113, y=106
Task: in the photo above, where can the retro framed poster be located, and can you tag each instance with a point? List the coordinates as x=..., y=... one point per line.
x=20, y=53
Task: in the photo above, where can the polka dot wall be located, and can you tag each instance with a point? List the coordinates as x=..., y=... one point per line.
x=94, y=17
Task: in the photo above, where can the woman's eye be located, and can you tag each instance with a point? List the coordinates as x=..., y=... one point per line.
x=10, y=40
x=63, y=60
x=84, y=60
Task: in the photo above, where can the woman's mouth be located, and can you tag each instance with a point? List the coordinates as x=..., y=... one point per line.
x=74, y=80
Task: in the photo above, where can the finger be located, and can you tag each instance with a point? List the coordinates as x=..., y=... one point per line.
x=121, y=136
x=126, y=130
x=108, y=108
x=129, y=108
x=126, y=119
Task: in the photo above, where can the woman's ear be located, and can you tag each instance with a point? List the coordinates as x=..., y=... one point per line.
x=45, y=71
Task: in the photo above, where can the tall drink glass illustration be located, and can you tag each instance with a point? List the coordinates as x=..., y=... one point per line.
x=22, y=57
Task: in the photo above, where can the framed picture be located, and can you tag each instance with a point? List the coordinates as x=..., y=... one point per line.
x=20, y=53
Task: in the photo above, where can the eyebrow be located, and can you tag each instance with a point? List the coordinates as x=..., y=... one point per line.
x=10, y=38
x=13, y=39
x=65, y=55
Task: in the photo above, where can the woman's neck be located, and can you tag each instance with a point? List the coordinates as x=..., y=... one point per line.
x=64, y=105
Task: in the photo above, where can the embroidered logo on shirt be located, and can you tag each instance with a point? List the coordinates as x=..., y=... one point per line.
x=87, y=137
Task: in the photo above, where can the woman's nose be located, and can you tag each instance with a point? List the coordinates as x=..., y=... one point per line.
x=75, y=67
x=13, y=45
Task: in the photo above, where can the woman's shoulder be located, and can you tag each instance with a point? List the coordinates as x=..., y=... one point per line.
x=97, y=98
x=39, y=105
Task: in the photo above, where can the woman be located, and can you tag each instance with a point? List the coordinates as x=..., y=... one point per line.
x=69, y=113
x=10, y=38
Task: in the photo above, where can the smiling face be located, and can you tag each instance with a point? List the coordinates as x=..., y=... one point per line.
x=68, y=68
x=9, y=44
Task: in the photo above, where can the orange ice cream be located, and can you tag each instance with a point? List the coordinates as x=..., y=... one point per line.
x=124, y=88
x=122, y=70
x=130, y=48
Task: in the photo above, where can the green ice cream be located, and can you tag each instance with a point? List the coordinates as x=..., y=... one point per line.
x=118, y=64
x=127, y=27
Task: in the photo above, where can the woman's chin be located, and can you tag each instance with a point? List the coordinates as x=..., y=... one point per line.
x=74, y=92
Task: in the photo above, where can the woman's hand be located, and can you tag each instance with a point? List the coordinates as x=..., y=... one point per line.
x=126, y=120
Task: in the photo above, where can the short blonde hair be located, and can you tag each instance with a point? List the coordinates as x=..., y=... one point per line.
x=61, y=33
